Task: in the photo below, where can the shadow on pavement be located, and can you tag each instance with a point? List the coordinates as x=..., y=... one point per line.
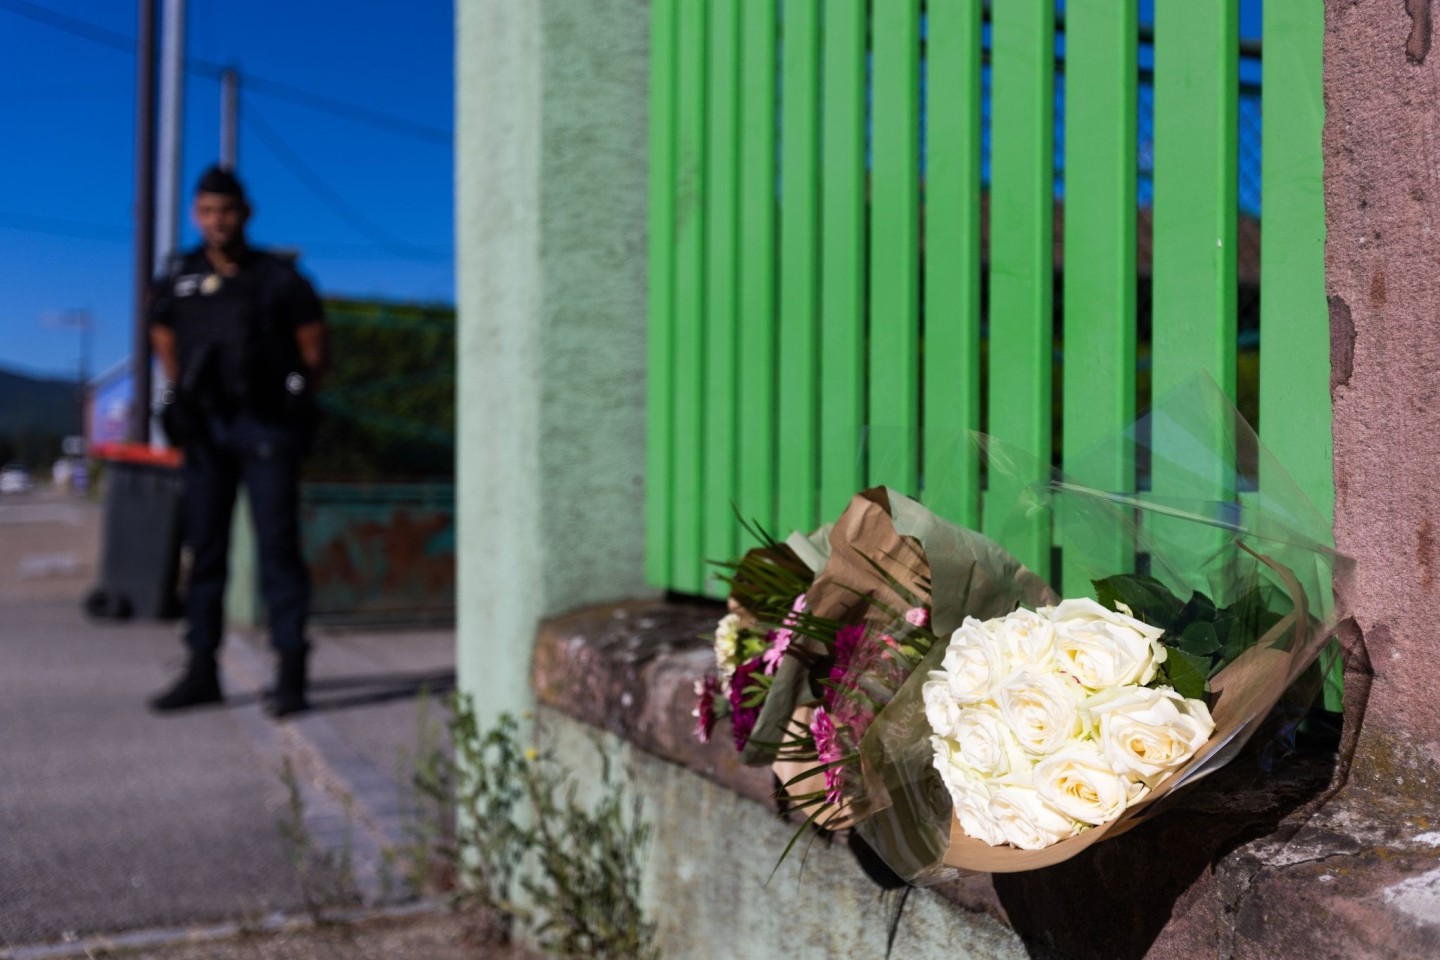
x=360, y=691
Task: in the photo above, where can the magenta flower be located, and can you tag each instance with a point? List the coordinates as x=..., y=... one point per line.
x=917, y=617
x=704, y=712
x=780, y=639
x=847, y=641
x=827, y=746
x=742, y=718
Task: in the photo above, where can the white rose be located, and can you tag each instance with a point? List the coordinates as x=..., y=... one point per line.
x=727, y=641
x=974, y=662
x=984, y=742
x=1148, y=734
x=1026, y=819
x=947, y=760
x=1081, y=783
x=949, y=764
x=1029, y=638
x=1102, y=648
x=972, y=810
x=940, y=708
x=1041, y=710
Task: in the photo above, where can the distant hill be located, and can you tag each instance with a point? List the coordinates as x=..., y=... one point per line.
x=34, y=415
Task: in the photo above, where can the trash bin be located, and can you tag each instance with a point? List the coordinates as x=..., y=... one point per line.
x=140, y=535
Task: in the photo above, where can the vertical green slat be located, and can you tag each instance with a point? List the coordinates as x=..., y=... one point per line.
x=1294, y=319
x=952, y=260
x=756, y=490
x=1099, y=278
x=659, y=440
x=842, y=257
x=720, y=532
x=895, y=248
x=686, y=571
x=799, y=264
x=1196, y=101
x=1021, y=266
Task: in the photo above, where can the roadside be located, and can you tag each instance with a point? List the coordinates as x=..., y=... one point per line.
x=121, y=822
x=432, y=934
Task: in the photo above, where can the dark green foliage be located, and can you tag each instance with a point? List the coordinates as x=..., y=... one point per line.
x=1201, y=638
x=1147, y=598
x=388, y=402
x=35, y=417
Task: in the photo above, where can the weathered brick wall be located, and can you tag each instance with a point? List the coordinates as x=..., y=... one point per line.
x=1382, y=200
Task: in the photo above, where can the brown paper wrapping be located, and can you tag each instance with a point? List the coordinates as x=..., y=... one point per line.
x=884, y=552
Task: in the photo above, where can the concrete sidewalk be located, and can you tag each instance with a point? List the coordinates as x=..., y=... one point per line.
x=113, y=818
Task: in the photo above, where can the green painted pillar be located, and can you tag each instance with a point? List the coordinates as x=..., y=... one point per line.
x=551, y=184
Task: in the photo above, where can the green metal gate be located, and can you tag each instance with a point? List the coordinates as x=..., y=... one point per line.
x=796, y=227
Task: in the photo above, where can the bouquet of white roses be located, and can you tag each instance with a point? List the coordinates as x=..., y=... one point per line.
x=1029, y=735
x=1052, y=721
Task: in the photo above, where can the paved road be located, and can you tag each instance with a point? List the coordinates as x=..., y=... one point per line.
x=113, y=818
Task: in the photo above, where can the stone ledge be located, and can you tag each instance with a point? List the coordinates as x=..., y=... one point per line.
x=1241, y=865
x=630, y=669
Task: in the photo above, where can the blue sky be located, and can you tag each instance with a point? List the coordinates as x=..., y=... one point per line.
x=379, y=222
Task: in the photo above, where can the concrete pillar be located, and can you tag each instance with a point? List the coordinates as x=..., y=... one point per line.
x=551, y=149
x=1382, y=199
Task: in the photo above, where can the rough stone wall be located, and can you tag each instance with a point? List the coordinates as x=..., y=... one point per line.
x=1382, y=199
x=708, y=882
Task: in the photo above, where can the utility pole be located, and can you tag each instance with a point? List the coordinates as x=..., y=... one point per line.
x=144, y=214
x=229, y=118
x=77, y=318
x=172, y=120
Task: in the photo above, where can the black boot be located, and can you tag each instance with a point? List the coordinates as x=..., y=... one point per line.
x=200, y=684
x=290, y=684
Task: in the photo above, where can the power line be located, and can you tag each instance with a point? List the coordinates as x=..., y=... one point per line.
x=204, y=68
x=325, y=104
x=55, y=226
x=72, y=25
x=338, y=204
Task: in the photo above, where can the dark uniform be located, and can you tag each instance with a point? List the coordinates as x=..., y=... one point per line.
x=243, y=413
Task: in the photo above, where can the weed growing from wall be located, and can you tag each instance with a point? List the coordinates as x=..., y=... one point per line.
x=505, y=824
x=326, y=876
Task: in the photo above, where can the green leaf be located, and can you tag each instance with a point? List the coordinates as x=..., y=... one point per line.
x=1199, y=640
x=1199, y=609
x=1148, y=599
x=1187, y=673
x=1254, y=611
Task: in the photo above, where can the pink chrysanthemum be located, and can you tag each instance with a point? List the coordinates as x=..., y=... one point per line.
x=827, y=746
x=779, y=643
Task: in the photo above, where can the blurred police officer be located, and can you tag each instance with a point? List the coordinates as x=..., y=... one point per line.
x=241, y=336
